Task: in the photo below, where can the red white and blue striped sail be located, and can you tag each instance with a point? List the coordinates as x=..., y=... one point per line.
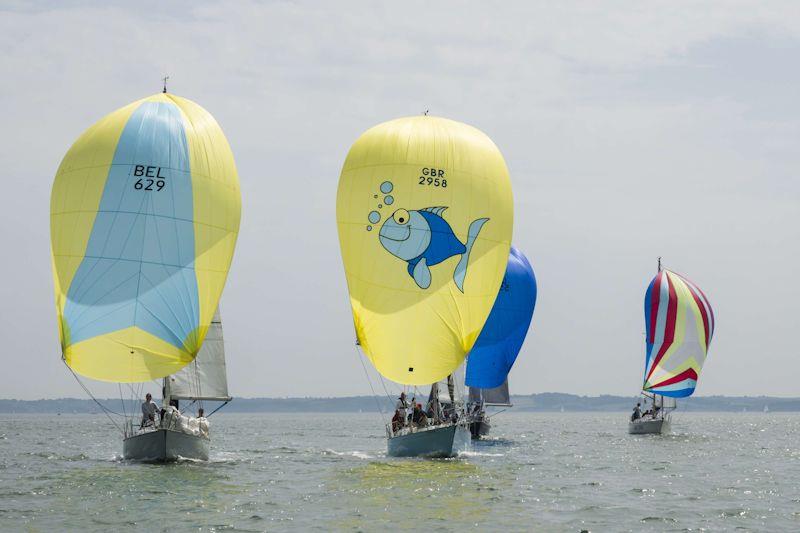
x=680, y=325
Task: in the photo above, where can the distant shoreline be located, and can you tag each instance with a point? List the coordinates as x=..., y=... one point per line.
x=542, y=402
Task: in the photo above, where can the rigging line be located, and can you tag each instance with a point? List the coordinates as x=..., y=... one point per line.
x=389, y=396
x=136, y=396
x=132, y=390
x=217, y=409
x=375, y=396
x=122, y=400
x=103, y=407
x=497, y=413
x=135, y=393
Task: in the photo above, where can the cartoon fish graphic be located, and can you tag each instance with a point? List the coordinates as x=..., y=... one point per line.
x=424, y=239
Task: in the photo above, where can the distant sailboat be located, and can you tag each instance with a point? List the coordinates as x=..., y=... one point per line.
x=479, y=400
x=500, y=341
x=424, y=212
x=144, y=217
x=680, y=325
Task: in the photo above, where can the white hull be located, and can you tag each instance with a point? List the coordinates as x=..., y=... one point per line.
x=643, y=426
x=164, y=445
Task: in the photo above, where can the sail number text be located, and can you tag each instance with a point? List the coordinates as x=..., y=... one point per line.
x=148, y=177
x=433, y=177
x=504, y=286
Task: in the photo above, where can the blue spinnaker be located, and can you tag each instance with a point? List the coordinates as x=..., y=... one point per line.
x=502, y=336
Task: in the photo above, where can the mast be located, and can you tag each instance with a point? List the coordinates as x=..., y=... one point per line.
x=451, y=389
x=165, y=392
x=654, y=394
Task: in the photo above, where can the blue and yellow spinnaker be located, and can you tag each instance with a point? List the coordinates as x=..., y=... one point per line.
x=144, y=216
x=424, y=211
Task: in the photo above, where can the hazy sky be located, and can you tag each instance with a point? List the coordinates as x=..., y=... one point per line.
x=631, y=130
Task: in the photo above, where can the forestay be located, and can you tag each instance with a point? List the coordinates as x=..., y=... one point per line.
x=680, y=325
x=424, y=212
x=205, y=378
x=144, y=216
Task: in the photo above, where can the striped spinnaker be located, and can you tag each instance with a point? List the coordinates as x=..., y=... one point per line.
x=680, y=325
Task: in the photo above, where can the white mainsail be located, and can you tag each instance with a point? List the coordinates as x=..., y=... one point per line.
x=666, y=402
x=205, y=378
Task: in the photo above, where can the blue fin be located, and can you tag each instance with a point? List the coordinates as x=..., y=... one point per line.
x=461, y=268
x=422, y=274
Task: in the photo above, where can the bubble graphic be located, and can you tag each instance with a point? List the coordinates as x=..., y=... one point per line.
x=389, y=200
x=369, y=228
x=374, y=217
x=386, y=187
x=374, y=195
x=380, y=206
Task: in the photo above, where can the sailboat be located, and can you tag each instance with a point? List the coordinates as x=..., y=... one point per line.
x=144, y=217
x=424, y=212
x=479, y=400
x=679, y=327
x=500, y=341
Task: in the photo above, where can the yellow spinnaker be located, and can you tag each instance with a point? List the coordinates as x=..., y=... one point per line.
x=425, y=212
x=144, y=216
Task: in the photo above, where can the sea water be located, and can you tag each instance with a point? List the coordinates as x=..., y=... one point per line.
x=301, y=472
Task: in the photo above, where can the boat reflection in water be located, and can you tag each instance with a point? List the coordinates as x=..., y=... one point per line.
x=389, y=492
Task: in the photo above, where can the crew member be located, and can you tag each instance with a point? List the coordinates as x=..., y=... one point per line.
x=149, y=410
x=637, y=412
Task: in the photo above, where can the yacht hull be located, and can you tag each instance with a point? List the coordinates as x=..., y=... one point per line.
x=165, y=445
x=479, y=428
x=443, y=441
x=658, y=426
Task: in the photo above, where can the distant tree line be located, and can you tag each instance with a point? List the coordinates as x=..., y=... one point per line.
x=543, y=402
